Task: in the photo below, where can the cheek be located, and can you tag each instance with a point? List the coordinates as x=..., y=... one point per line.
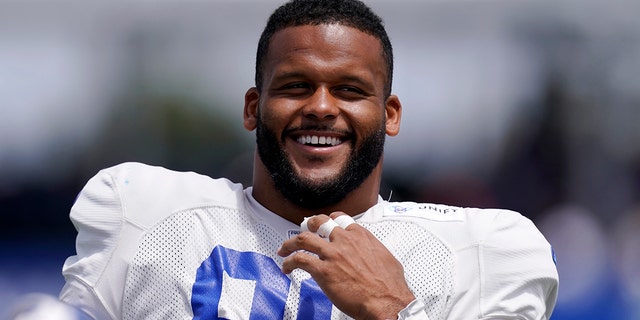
x=268, y=118
x=368, y=120
x=276, y=111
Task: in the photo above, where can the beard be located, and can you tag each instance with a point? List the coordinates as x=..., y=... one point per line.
x=315, y=194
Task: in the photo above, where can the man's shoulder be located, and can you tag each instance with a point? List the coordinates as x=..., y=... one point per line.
x=147, y=191
x=148, y=177
x=463, y=224
x=442, y=212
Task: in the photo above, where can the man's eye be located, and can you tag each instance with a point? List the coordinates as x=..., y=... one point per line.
x=350, y=89
x=297, y=85
x=293, y=89
x=349, y=92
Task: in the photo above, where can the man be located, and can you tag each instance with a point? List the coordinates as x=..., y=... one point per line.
x=154, y=243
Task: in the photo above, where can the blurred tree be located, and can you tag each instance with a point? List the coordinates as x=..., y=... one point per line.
x=173, y=131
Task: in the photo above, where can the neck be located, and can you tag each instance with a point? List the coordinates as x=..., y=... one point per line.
x=356, y=202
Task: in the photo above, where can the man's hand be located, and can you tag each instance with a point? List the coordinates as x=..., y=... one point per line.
x=355, y=270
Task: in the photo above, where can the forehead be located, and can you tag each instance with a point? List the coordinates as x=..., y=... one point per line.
x=325, y=46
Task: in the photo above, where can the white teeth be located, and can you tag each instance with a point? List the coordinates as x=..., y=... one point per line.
x=319, y=140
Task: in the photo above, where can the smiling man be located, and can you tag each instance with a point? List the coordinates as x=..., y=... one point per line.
x=311, y=239
x=321, y=112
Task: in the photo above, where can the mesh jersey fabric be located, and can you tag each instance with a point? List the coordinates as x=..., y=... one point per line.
x=159, y=244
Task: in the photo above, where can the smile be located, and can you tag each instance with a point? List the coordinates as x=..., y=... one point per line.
x=318, y=140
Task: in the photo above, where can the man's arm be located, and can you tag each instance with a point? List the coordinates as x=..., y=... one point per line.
x=518, y=276
x=97, y=216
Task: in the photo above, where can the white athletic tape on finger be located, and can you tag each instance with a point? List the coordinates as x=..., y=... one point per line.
x=344, y=221
x=325, y=229
x=303, y=225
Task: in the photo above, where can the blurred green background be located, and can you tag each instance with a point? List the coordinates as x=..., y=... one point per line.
x=527, y=105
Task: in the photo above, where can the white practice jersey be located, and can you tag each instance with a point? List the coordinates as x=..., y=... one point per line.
x=159, y=244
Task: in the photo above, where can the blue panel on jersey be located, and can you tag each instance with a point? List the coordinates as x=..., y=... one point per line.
x=272, y=286
x=314, y=304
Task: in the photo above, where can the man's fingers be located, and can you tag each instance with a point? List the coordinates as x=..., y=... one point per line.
x=344, y=220
x=306, y=241
x=313, y=223
x=313, y=230
x=324, y=230
x=323, y=225
x=300, y=260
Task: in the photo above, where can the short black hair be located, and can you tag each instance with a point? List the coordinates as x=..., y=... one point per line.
x=351, y=13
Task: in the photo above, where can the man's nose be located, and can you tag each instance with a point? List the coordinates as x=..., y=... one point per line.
x=321, y=105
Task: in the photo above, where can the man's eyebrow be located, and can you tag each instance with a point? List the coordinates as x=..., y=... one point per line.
x=352, y=78
x=288, y=75
x=357, y=79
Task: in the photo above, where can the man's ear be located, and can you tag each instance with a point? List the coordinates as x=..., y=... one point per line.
x=251, y=102
x=393, y=109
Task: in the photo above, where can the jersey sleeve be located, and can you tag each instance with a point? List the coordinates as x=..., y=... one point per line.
x=98, y=218
x=518, y=276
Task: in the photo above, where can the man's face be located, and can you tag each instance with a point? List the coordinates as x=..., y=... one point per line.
x=321, y=115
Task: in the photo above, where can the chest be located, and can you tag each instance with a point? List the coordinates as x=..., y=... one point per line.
x=220, y=263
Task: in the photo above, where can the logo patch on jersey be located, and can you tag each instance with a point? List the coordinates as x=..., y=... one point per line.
x=423, y=210
x=292, y=233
